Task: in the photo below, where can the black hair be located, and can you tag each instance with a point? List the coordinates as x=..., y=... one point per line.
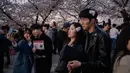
x=119, y=27
x=46, y=25
x=114, y=25
x=36, y=26
x=27, y=30
x=20, y=34
x=3, y=27
x=122, y=42
x=105, y=24
x=86, y=14
x=54, y=23
x=80, y=34
x=6, y=27
x=125, y=25
x=100, y=26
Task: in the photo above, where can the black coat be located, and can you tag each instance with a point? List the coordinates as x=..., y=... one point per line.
x=4, y=47
x=43, y=64
x=61, y=39
x=97, y=47
x=69, y=54
x=4, y=44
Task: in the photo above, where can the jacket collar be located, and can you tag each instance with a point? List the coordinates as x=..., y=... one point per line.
x=93, y=39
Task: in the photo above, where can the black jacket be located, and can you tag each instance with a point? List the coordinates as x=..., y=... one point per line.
x=97, y=48
x=47, y=45
x=61, y=39
x=4, y=44
x=69, y=54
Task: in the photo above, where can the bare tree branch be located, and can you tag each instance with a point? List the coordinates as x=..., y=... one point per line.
x=52, y=9
x=104, y=5
x=88, y=2
x=116, y=2
x=125, y=3
x=62, y=15
x=41, y=16
x=37, y=14
x=9, y=16
x=70, y=14
x=33, y=4
x=46, y=17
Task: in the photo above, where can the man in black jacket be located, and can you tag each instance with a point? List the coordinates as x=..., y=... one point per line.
x=62, y=36
x=97, y=46
x=43, y=50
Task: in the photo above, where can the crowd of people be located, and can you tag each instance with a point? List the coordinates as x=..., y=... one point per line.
x=83, y=47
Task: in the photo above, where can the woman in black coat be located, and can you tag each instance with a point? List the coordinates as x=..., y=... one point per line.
x=73, y=50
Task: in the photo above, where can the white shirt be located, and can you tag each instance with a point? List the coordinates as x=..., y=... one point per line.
x=114, y=33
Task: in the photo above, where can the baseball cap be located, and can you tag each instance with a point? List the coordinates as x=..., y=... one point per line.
x=88, y=13
x=66, y=25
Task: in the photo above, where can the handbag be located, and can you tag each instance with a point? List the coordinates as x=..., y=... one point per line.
x=12, y=51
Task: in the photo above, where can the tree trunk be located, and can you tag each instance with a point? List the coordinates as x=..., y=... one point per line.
x=109, y=22
x=126, y=16
x=37, y=18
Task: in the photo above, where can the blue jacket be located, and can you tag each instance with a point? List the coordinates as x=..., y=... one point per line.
x=24, y=58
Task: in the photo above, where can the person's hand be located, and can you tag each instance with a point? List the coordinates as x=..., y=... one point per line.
x=14, y=43
x=34, y=49
x=69, y=67
x=73, y=65
x=9, y=37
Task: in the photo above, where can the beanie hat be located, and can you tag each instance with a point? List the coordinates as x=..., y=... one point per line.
x=88, y=13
